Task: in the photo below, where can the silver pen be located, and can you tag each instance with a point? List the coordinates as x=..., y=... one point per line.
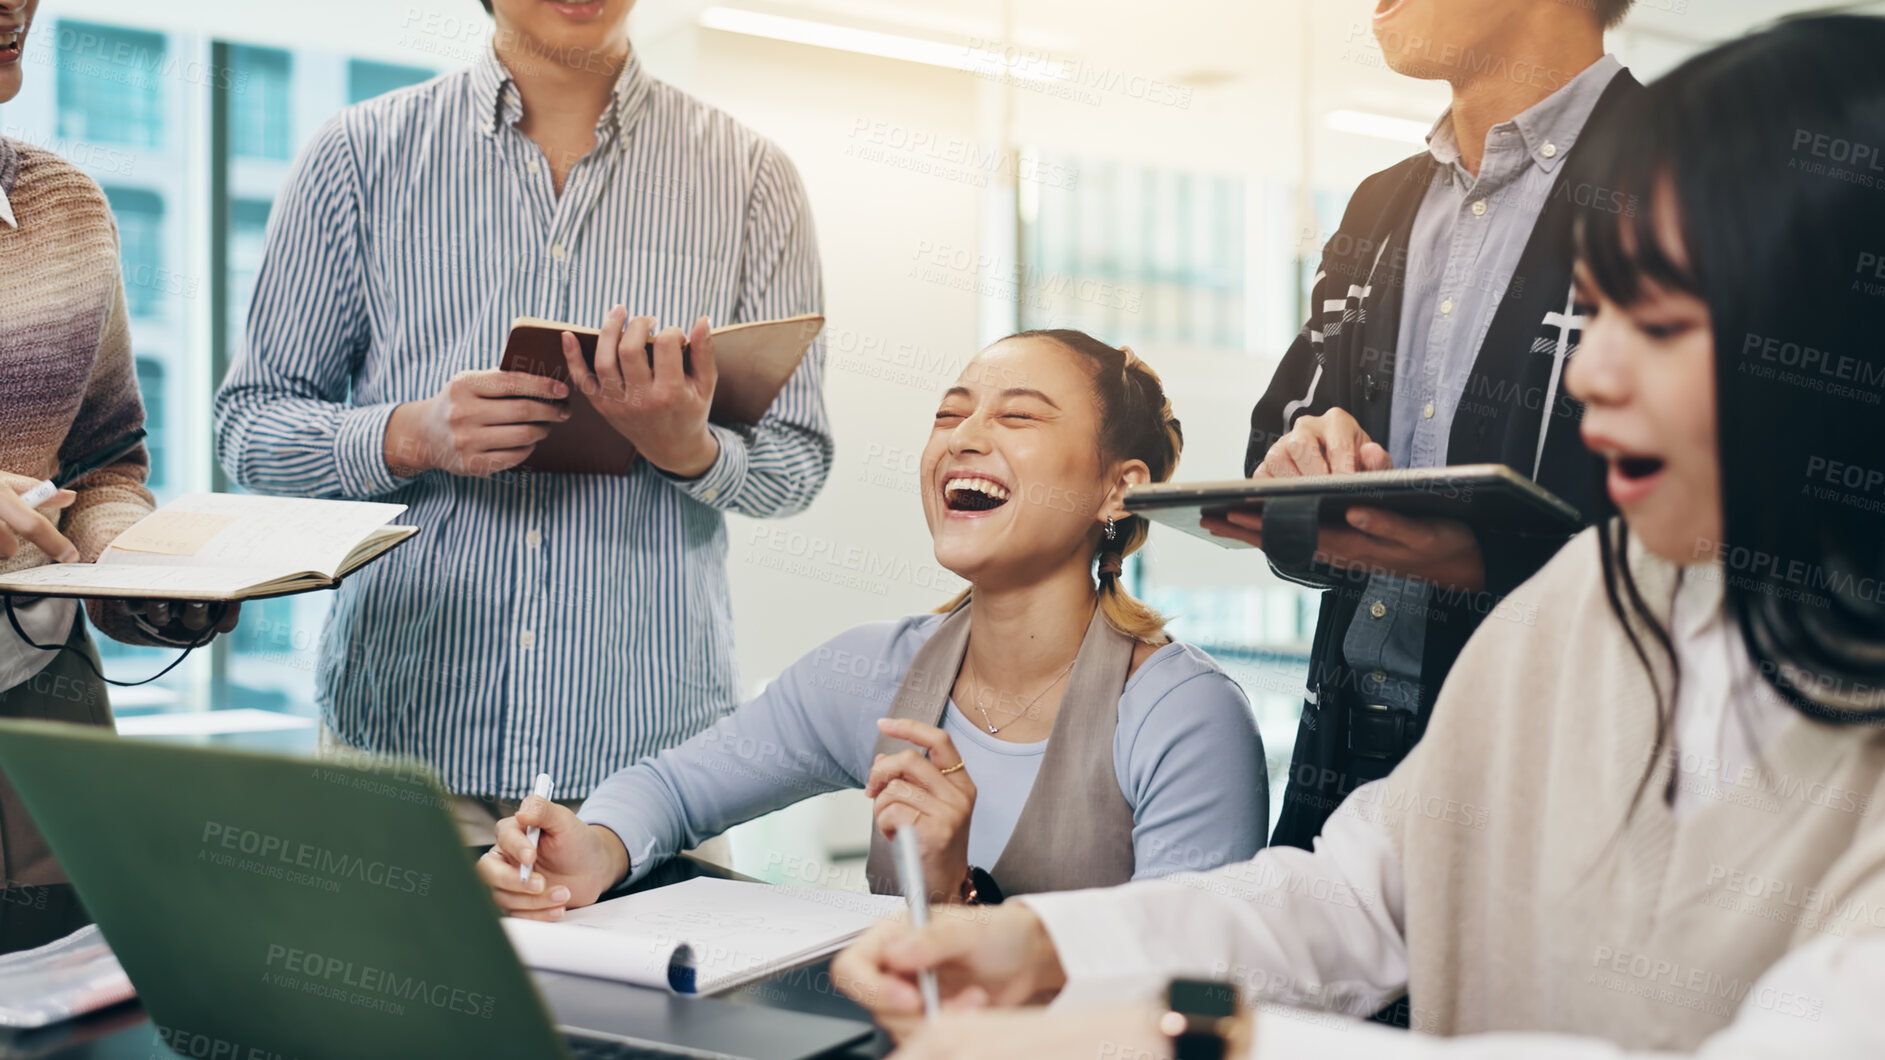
x=916, y=892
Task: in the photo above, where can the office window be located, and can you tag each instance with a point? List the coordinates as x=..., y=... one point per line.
x=145, y=94
x=150, y=383
x=248, y=222
x=259, y=116
x=1133, y=255
x=110, y=87
x=366, y=78
x=140, y=215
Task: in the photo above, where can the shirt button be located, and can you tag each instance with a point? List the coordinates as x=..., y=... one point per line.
x=1426, y=413
x=556, y=251
x=533, y=538
x=532, y=168
x=1378, y=677
x=1379, y=610
x=1479, y=208
x=709, y=494
x=526, y=639
x=1446, y=307
x=1550, y=150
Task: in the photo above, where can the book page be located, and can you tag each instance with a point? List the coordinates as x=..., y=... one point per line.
x=169, y=532
x=152, y=581
x=280, y=536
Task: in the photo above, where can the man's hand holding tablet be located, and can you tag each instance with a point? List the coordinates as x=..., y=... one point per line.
x=1441, y=552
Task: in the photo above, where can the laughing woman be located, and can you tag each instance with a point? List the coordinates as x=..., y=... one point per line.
x=1043, y=733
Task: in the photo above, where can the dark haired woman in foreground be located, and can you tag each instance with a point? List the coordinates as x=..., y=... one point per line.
x=1043, y=730
x=1653, y=820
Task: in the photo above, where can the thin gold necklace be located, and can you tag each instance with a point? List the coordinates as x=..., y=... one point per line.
x=990, y=722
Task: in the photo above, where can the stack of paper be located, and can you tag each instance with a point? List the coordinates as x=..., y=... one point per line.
x=700, y=936
x=59, y=980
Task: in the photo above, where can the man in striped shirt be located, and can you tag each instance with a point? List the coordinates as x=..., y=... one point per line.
x=541, y=622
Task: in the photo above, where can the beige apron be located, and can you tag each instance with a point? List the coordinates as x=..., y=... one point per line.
x=1075, y=830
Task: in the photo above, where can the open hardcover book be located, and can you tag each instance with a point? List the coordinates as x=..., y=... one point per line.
x=226, y=546
x=700, y=936
x=755, y=359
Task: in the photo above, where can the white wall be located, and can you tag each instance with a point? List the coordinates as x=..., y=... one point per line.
x=893, y=342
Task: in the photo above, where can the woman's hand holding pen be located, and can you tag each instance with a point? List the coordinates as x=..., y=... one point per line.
x=571, y=865
x=929, y=793
x=983, y=955
x=656, y=402
x=18, y=524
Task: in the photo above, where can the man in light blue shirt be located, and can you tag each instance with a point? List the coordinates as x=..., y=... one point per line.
x=540, y=622
x=1444, y=314
x=1471, y=228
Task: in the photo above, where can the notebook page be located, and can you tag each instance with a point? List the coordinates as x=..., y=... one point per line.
x=156, y=582
x=277, y=536
x=624, y=958
x=737, y=931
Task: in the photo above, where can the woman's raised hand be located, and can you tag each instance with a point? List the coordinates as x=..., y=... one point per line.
x=932, y=795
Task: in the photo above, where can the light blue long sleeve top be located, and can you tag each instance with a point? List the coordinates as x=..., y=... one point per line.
x=1186, y=754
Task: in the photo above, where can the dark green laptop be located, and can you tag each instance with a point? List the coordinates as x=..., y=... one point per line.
x=276, y=906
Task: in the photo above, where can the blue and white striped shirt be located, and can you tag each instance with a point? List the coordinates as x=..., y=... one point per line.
x=539, y=622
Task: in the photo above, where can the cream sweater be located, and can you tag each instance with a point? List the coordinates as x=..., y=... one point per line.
x=1492, y=875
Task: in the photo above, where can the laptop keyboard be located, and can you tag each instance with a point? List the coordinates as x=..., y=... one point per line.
x=601, y=1049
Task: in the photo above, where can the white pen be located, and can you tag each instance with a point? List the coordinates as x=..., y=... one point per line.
x=39, y=494
x=916, y=892
x=542, y=790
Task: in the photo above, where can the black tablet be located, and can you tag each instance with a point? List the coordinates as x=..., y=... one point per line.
x=1484, y=496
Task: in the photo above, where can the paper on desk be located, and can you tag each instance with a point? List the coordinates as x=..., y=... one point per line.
x=69, y=977
x=727, y=932
x=665, y=964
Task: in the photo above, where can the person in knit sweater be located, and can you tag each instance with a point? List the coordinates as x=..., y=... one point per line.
x=1650, y=818
x=69, y=387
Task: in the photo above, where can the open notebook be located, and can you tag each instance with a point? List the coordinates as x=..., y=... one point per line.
x=701, y=936
x=226, y=546
x=754, y=359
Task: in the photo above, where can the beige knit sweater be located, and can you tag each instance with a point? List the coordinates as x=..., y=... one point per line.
x=1542, y=909
x=67, y=381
